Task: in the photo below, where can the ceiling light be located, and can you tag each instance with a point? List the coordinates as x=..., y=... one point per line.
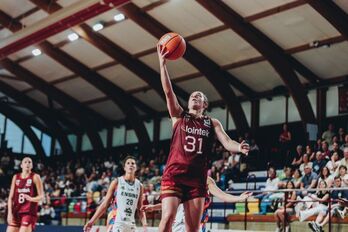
x=73, y=37
x=36, y=52
x=119, y=17
x=98, y=27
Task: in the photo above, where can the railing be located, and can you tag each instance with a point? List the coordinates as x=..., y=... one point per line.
x=86, y=213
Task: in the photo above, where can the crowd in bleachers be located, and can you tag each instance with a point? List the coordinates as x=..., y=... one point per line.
x=305, y=167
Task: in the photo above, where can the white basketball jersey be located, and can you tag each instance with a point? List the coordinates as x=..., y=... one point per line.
x=127, y=197
x=180, y=215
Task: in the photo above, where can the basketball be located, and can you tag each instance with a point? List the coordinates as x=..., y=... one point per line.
x=175, y=44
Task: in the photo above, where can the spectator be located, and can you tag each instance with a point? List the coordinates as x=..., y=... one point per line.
x=332, y=165
x=271, y=185
x=344, y=160
x=341, y=136
x=297, y=178
x=47, y=213
x=343, y=174
x=310, y=153
x=279, y=213
x=317, y=147
x=297, y=160
x=287, y=177
x=316, y=203
x=328, y=134
x=337, y=209
x=284, y=142
x=309, y=180
x=305, y=161
x=325, y=150
x=325, y=176
x=319, y=162
x=345, y=144
x=336, y=148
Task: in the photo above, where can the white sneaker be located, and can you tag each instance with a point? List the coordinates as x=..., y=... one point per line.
x=340, y=213
x=277, y=229
x=287, y=228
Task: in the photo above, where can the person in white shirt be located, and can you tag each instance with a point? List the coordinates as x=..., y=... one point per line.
x=128, y=194
x=332, y=165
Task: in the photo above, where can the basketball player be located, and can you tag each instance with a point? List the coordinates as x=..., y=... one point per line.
x=179, y=222
x=26, y=191
x=185, y=175
x=128, y=192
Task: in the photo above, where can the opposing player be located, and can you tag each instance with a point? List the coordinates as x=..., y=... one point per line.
x=26, y=191
x=179, y=222
x=185, y=175
x=128, y=192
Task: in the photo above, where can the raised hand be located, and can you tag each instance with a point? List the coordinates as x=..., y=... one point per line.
x=162, y=52
x=244, y=147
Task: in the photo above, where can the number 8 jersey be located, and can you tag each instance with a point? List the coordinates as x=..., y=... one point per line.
x=24, y=186
x=191, y=144
x=127, y=197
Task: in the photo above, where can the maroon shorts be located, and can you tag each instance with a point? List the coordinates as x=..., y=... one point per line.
x=181, y=191
x=24, y=219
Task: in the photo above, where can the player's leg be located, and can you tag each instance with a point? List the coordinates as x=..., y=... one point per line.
x=26, y=229
x=11, y=228
x=169, y=208
x=193, y=213
x=28, y=223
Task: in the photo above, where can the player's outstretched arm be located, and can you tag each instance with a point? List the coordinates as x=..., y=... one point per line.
x=151, y=208
x=102, y=207
x=39, y=189
x=10, y=201
x=227, y=142
x=173, y=105
x=217, y=192
x=142, y=214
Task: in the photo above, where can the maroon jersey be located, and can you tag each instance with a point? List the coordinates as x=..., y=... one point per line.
x=24, y=186
x=192, y=141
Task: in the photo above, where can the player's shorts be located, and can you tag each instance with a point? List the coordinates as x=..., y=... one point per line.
x=25, y=220
x=121, y=227
x=181, y=191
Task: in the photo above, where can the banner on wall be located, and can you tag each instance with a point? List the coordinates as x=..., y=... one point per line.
x=343, y=100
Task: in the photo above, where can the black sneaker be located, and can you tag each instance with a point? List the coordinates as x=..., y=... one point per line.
x=312, y=226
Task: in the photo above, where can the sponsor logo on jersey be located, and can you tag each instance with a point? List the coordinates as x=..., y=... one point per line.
x=132, y=195
x=17, y=182
x=29, y=181
x=206, y=122
x=196, y=131
x=23, y=190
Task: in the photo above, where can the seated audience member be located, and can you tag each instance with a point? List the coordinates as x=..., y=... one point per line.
x=345, y=143
x=305, y=161
x=326, y=176
x=279, y=213
x=309, y=180
x=309, y=152
x=297, y=178
x=342, y=171
x=344, y=160
x=326, y=153
x=317, y=147
x=287, y=176
x=297, y=157
x=47, y=213
x=271, y=184
x=341, y=136
x=338, y=209
x=315, y=203
x=336, y=148
x=328, y=134
x=319, y=162
x=332, y=165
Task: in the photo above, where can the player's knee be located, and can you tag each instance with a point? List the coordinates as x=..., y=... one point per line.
x=168, y=218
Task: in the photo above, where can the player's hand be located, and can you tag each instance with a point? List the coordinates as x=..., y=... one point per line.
x=244, y=147
x=147, y=208
x=9, y=218
x=162, y=52
x=245, y=196
x=88, y=226
x=28, y=198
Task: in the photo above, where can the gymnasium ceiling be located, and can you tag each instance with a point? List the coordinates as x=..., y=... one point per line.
x=225, y=60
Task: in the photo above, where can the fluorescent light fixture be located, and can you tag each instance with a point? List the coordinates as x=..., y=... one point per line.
x=119, y=17
x=73, y=37
x=36, y=52
x=98, y=27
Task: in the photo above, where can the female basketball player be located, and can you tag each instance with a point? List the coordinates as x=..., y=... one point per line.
x=128, y=193
x=185, y=175
x=179, y=222
x=26, y=191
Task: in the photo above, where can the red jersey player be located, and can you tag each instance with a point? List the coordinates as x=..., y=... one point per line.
x=26, y=191
x=185, y=175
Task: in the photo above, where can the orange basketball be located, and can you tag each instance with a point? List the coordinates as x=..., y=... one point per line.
x=175, y=44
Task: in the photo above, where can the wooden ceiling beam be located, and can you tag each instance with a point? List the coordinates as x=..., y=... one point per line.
x=219, y=78
x=274, y=54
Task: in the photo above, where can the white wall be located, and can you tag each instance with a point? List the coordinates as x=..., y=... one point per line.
x=131, y=137
x=165, y=128
x=118, y=136
x=272, y=112
x=332, y=102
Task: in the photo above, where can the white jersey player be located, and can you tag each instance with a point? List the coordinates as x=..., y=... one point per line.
x=128, y=194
